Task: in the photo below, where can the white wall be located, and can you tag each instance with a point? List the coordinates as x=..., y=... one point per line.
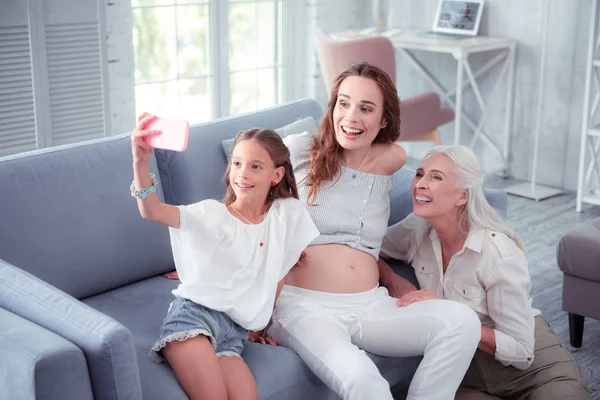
x=568, y=23
x=518, y=19
x=331, y=16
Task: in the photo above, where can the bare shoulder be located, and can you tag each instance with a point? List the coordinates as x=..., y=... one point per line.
x=391, y=157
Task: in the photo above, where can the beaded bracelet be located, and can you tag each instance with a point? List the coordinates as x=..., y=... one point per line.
x=143, y=192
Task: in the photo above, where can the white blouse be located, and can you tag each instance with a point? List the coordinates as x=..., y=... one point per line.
x=489, y=274
x=222, y=265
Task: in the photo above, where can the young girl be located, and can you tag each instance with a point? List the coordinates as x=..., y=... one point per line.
x=231, y=258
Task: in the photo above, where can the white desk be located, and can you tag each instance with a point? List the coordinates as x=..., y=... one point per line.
x=408, y=41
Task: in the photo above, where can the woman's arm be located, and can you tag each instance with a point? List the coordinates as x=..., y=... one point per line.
x=487, y=344
x=258, y=336
x=396, y=244
x=392, y=158
x=396, y=285
x=151, y=208
x=510, y=309
x=398, y=238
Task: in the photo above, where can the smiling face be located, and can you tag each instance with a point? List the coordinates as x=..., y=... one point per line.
x=358, y=113
x=252, y=171
x=434, y=188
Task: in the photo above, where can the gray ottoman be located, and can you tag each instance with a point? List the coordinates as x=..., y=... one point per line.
x=578, y=257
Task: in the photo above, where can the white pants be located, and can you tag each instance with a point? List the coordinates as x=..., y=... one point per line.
x=329, y=332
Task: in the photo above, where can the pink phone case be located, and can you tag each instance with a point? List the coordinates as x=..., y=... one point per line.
x=173, y=134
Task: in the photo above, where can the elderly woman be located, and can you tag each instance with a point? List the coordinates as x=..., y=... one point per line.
x=461, y=251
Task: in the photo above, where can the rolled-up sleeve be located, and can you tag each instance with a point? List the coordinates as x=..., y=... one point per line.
x=509, y=308
x=398, y=238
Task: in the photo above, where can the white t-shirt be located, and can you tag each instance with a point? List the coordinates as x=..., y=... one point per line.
x=222, y=265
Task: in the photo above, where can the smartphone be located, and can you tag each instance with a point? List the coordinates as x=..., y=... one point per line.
x=173, y=134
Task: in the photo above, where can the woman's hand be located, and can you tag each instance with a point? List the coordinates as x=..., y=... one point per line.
x=258, y=338
x=487, y=344
x=173, y=275
x=416, y=296
x=398, y=286
x=139, y=148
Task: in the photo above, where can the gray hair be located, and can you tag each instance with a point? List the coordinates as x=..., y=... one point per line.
x=477, y=211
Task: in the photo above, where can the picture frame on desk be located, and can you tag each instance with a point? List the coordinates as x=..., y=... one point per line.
x=458, y=17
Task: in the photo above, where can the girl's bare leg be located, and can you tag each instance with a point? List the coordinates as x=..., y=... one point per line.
x=238, y=379
x=197, y=368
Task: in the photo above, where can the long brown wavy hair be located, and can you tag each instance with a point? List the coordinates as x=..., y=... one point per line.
x=280, y=155
x=325, y=151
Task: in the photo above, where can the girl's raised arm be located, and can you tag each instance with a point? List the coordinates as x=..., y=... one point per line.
x=144, y=184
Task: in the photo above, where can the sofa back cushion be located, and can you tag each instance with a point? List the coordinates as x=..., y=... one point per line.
x=67, y=217
x=197, y=173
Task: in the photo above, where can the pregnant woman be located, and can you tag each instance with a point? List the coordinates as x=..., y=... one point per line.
x=332, y=308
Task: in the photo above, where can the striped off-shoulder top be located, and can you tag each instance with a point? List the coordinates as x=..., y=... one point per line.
x=352, y=209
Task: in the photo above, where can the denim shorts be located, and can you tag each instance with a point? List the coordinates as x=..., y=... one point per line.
x=186, y=319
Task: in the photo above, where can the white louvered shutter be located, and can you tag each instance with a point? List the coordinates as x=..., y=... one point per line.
x=75, y=65
x=17, y=115
x=53, y=80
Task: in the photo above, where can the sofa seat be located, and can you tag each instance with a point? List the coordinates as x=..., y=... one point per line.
x=280, y=373
x=578, y=257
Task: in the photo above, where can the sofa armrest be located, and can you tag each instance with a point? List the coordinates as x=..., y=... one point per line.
x=106, y=344
x=38, y=364
x=578, y=252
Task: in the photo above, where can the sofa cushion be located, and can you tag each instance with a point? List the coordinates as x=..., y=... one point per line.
x=307, y=124
x=279, y=372
x=579, y=252
x=141, y=307
x=580, y=296
x=400, y=197
x=68, y=218
x=197, y=173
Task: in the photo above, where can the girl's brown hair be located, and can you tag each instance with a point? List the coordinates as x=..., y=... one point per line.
x=325, y=150
x=280, y=155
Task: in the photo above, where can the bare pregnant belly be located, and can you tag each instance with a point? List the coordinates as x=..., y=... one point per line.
x=335, y=268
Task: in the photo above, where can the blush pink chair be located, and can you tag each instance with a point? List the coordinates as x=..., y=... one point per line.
x=421, y=115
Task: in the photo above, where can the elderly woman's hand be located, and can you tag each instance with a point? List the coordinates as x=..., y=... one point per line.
x=413, y=297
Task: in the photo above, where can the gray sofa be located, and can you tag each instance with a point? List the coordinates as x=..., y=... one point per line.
x=82, y=295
